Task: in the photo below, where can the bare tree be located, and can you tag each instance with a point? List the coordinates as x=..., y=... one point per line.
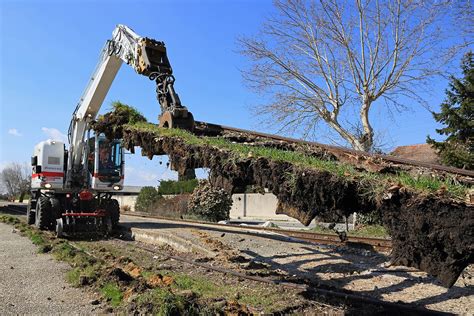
x=321, y=57
x=464, y=11
x=15, y=179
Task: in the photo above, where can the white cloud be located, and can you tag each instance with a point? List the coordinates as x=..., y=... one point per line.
x=140, y=176
x=54, y=134
x=147, y=176
x=14, y=132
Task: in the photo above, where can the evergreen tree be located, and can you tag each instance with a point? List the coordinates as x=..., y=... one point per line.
x=457, y=114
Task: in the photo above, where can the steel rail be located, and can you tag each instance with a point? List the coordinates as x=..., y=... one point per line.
x=13, y=208
x=344, y=295
x=216, y=127
x=379, y=244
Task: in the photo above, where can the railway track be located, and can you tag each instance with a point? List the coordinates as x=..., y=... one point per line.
x=215, y=129
x=18, y=209
x=316, y=291
x=379, y=244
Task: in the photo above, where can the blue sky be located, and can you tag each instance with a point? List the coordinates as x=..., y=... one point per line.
x=50, y=48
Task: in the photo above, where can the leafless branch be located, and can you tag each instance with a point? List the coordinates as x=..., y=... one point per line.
x=317, y=58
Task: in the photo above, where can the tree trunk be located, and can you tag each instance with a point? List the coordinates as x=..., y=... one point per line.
x=22, y=196
x=366, y=140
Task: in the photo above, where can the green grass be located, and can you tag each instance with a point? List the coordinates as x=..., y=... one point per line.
x=112, y=293
x=9, y=219
x=166, y=302
x=200, y=285
x=375, y=231
x=169, y=300
x=372, y=184
x=36, y=238
x=73, y=277
x=147, y=274
x=207, y=289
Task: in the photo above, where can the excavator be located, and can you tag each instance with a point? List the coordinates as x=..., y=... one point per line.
x=72, y=188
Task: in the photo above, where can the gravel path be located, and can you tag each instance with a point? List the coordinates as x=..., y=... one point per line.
x=32, y=283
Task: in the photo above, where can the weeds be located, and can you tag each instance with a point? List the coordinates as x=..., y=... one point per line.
x=376, y=231
x=112, y=293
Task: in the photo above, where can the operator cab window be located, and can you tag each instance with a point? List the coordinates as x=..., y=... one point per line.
x=110, y=158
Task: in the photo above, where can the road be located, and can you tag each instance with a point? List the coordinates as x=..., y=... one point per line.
x=32, y=283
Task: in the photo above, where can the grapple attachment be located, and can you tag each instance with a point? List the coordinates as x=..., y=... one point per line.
x=179, y=118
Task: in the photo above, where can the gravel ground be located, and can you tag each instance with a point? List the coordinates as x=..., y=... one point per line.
x=32, y=283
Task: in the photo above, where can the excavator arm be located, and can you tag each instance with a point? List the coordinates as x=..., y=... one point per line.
x=148, y=58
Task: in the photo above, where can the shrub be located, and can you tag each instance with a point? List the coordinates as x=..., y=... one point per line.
x=174, y=207
x=372, y=218
x=212, y=204
x=177, y=187
x=146, y=198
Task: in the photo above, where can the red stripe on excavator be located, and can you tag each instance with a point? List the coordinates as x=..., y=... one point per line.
x=47, y=174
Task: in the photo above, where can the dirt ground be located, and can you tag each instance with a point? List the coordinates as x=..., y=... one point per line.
x=362, y=271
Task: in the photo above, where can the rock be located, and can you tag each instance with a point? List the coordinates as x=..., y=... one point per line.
x=94, y=302
x=220, y=305
x=83, y=280
x=255, y=265
x=269, y=224
x=238, y=259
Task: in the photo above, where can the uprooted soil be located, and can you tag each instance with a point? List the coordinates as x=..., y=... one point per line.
x=433, y=235
x=431, y=232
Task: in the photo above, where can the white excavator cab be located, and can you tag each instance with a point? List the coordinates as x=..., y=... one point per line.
x=105, y=164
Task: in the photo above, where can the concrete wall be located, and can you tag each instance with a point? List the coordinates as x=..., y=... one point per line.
x=245, y=205
x=255, y=205
x=128, y=200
